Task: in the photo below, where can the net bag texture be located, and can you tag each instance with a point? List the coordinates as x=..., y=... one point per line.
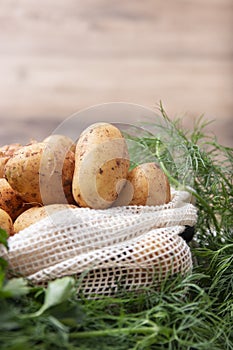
x=128, y=247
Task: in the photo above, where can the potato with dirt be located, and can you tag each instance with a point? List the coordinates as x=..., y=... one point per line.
x=10, y=200
x=36, y=214
x=146, y=184
x=57, y=169
x=101, y=166
x=6, y=222
x=6, y=152
x=63, y=141
x=42, y=173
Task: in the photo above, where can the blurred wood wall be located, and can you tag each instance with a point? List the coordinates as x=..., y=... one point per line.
x=59, y=56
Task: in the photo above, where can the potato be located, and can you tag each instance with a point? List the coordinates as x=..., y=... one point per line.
x=61, y=140
x=6, y=152
x=3, y=161
x=10, y=201
x=9, y=150
x=22, y=172
x=151, y=185
x=57, y=169
x=35, y=214
x=42, y=173
x=163, y=254
x=101, y=166
x=6, y=222
x=146, y=185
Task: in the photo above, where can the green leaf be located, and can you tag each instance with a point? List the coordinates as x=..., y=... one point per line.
x=56, y=293
x=3, y=237
x=15, y=287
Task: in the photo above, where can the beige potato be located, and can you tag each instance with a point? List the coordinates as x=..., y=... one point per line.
x=42, y=173
x=6, y=152
x=10, y=201
x=36, y=214
x=61, y=140
x=6, y=222
x=101, y=166
x=151, y=185
x=146, y=185
x=3, y=161
x=164, y=255
x=9, y=150
x=56, y=170
x=22, y=172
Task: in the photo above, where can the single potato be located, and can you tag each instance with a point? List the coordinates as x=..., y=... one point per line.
x=3, y=161
x=6, y=152
x=151, y=185
x=10, y=201
x=36, y=214
x=146, y=185
x=6, y=222
x=22, y=172
x=42, y=173
x=101, y=166
x=9, y=150
x=57, y=169
x=61, y=140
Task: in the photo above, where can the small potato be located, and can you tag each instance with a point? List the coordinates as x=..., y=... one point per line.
x=56, y=170
x=146, y=185
x=22, y=172
x=165, y=255
x=6, y=222
x=3, y=161
x=42, y=173
x=6, y=152
x=9, y=150
x=101, y=166
x=61, y=140
x=151, y=185
x=36, y=214
x=10, y=201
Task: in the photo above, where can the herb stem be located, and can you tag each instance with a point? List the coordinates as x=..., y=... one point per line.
x=177, y=184
x=116, y=331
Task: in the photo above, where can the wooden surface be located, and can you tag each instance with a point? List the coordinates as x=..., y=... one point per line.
x=59, y=56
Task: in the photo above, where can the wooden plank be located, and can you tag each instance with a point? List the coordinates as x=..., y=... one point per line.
x=57, y=57
x=40, y=86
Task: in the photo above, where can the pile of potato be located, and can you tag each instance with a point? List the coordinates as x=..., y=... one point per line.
x=43, y=177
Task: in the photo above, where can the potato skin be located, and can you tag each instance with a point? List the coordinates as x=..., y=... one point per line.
x=36, y=214
x=101, y=166
x=56, y=170
x=22, y=172
x=146, y=185
x=41, y=170
x=6, y=152
x=10, y=201
x=6, y=222
x=60, y=140
x=9, y=150
x=150, y=184
x=3, y=161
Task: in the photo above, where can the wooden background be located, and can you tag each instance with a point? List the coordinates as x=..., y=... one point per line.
x=59, y=56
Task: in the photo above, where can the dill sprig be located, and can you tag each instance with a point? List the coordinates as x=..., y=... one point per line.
x=194, y=161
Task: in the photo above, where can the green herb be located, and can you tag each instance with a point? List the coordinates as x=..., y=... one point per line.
x=57, y=292
x=195, y=312
x=3, y=238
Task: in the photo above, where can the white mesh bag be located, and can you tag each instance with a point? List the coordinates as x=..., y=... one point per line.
x=127, y=247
